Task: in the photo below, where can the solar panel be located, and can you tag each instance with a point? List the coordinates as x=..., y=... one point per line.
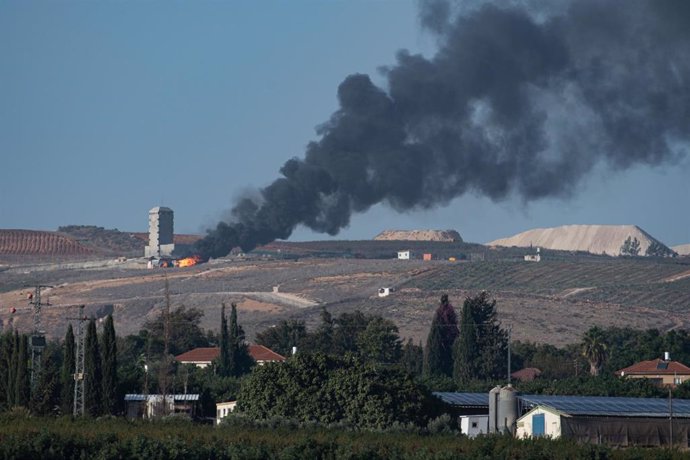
x=662, y=365
x=612, y=406
x=463, y=399
x=581, y=405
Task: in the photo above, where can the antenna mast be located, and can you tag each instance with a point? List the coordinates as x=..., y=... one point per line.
x=79, y=405
x=37, y=342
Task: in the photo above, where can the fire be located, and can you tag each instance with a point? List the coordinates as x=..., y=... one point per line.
x=188, y=261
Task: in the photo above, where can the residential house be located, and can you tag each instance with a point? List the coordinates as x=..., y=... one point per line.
x=662, y=372
x=204, y=356
x=223, y=409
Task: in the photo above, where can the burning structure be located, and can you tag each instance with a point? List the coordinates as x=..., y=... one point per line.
x=160, y=233
x=522, y=99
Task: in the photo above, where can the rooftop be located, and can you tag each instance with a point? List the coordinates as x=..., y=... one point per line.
x=655, y=367
x=208, y=354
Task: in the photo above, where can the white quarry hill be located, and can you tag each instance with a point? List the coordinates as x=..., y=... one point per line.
x=419, y=235
x=597, y=239
x=682, y=249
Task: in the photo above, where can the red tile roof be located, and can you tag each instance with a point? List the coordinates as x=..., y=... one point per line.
x=655, y=367
x=527, y=374
x=208, y=354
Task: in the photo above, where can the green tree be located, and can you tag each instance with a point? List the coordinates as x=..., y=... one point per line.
x=656, y=249
x=224, y=364
x=239, y=360
x=93, y=377
x=594, y=349
x=328, y=389
x=109, y=368
x=45, y=399
x=185, y=332
x=22, y=384
x=285, y=335
x=6, y=370
x=412, y=359
x=481, y=348
x=630, y=247
x=438, y=355
x=67, y=372
x=380, y=342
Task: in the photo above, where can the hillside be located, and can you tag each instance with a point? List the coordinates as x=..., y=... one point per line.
x=40, y=243
x=596, y=239
x=419, y=235
x=682, y=249
x=553, y=301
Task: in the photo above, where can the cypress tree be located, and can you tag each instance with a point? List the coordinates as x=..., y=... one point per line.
x=67, y=373
x=224, y=364
x=46, y=396
x=466, y=347
x=438, y=358
x=239, y=360
x=6, y=347
x=109, y=355
x=23, y=383
x=480, y=351
x=93, y=379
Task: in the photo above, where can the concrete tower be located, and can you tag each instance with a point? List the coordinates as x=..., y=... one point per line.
x=160, y=233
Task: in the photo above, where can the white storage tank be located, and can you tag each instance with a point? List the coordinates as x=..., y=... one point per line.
x=493, y=408
x=507, y=409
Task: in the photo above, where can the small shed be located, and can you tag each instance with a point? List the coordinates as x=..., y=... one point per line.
x=426, y=256
x=151, y=406
x=474, y=425
x=404, y=255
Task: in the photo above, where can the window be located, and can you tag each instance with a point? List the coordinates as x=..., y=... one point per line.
x=474, y=424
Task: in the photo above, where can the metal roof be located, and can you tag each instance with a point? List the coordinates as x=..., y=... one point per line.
x=141, y=397
x=463, y=399
x=609, y=406
x=581, y=405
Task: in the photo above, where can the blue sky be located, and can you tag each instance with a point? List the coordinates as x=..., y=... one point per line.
x=110, y=108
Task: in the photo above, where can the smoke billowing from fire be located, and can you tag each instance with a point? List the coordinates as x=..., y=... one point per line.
x=515, y=102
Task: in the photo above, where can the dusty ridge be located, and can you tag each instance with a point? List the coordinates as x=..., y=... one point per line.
x=597, y=239
x=34, y=242
x=419, y=235
x=682, y=249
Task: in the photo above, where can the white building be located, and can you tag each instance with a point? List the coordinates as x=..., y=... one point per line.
x=404, y=255
x=474, y=425
x=223, y=409
x=540, y=421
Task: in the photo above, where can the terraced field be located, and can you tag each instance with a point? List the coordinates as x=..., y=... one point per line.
x=32, y=242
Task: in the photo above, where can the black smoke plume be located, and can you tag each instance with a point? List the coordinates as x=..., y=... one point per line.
x=515, y=102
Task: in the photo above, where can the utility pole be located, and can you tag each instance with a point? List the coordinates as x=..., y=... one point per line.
x=510, y=331
x=166, y=348
x=79, y=375
x=37, y=342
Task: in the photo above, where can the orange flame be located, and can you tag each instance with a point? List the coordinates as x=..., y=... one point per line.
x=188, y=261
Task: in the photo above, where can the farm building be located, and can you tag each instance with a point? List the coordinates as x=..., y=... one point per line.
x=204, y=356
x=474, y=425
x=613, y=421
x=607, y=420
x=662, y=372
x=404, y=255
x=151, y=406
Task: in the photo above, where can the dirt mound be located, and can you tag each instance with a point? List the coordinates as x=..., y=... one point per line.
x=33, y=242
x=597, y=239
x=682, y=249
x=419, y=235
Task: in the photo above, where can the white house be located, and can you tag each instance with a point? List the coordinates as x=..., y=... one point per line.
x=404, y=255
x=223, y=409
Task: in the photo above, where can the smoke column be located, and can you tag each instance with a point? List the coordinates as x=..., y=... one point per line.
x=514, y=103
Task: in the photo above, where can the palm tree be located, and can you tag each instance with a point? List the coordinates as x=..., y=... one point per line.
x=594, y=349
